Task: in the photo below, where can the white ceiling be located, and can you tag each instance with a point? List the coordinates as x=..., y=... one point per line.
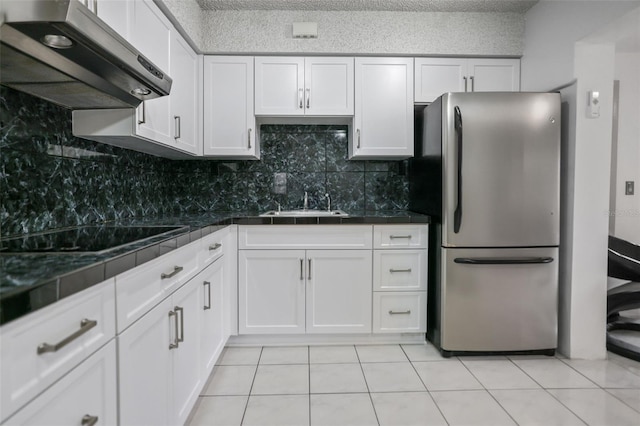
x=519, y=6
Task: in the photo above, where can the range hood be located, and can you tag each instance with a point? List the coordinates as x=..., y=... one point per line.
x=60, y=51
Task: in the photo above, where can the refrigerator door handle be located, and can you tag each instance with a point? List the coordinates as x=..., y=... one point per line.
x=457, y=214
x=502, y=260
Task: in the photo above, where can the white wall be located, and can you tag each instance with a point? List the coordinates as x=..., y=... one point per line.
x=553, y=56
x=626, y=211
x=350, y=33
x=551, y=30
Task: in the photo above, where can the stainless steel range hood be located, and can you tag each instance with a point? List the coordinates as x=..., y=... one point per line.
x=60, y=51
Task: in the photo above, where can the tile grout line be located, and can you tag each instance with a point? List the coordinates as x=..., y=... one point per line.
x=375, y=412
x=424, y=384
x=244, y=413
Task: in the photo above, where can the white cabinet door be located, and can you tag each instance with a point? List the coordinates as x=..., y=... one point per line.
x=212, y=308
x=86, y=394
x=151, y=35
x=338, y=291
x=383, y=119
x=229, y=121
x=279, y=85
x=328, y=86
x=494, y=75
x=185, y=93
x=145, y=368
x=271, y=291
x=114, y=13
x=186, y=373
x=435, y=76
x=315, y=86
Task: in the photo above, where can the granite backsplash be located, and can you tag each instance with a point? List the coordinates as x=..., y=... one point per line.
x=50, y=179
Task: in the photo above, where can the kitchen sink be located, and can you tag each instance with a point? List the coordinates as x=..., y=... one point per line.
x=305, y=213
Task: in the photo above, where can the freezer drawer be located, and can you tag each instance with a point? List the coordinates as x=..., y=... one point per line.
x=499, y=299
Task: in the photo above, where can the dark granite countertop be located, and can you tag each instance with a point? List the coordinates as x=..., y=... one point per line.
x=31, y=281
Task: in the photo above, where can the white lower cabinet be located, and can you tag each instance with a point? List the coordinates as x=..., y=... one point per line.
x=304, y=291
x=85, y=396
x=399, y=312
x=159, y=370
x=214, y=330
x=271, y=291
x=338, y=291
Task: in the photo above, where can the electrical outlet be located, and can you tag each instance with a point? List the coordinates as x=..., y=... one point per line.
x=279, y=183
x=629, y=187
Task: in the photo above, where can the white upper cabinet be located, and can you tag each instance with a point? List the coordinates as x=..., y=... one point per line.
x=185, y=96
x=170, y=125
x=229, y=121
x=435, y=76
x=114, y=13
x=151, y=35
x=383, y=118
x=291, y=86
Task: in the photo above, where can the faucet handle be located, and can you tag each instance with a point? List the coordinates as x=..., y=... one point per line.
x=279, y=206
x=328, y=197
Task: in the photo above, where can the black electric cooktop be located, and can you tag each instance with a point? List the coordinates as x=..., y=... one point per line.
x=85, y=239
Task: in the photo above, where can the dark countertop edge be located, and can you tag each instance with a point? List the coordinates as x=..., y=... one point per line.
x=22, y=301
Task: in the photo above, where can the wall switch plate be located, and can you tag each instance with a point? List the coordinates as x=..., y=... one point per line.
x=279, y=183
x=629, y=187
x=593, y=104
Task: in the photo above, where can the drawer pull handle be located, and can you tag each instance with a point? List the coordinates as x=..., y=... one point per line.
x=309, y=276
x=407, y=312
x=174, y=344
x=215, y=246
x=88, y=420
x=207, y=284
x=399, y=270
x=301, y=269
x=85, y=325
x=393, y=237
x=181, y=310
x=171, y=274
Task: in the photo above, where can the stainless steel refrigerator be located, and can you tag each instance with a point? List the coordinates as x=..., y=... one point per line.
x=487, y=169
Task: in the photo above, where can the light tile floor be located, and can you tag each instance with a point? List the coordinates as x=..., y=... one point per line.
x=400, y=385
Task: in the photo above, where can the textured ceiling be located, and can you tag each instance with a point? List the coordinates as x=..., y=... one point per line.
x=373, y=5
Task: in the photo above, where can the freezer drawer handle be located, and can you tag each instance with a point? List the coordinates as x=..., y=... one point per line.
x=85, y=325
x=394, y=237
x=399, y=270
x=457, y=214
x=502, y=260
x=407, y=312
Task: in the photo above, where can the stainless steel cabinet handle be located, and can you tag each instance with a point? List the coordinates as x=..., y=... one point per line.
x=393, y=237
x=249, y=139
x=407, y=312
x=174, y=344
x=88, y=420
x=177, y=129
x=399, y=270
x=181, y=310
x=176, y=269
x=215, y=246
x=358, y=133
x=465, y=83
x=85, y=325
x=301, y=269
x=141, y=113
x=308, y=96
x=95, y=10
x=207, y=284
x=300, y=105
x=309, y=272
x=473, y=85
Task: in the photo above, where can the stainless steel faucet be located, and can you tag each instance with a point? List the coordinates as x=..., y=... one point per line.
x=306, y=201
x=328, y=197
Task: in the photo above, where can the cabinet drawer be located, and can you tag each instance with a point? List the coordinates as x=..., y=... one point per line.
x=305, y=237
x=212, y=247
x=400, y=236
x=141, y=288
x=399, y=270
x=88, y=391
x=74, y=328
x=404, y=312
